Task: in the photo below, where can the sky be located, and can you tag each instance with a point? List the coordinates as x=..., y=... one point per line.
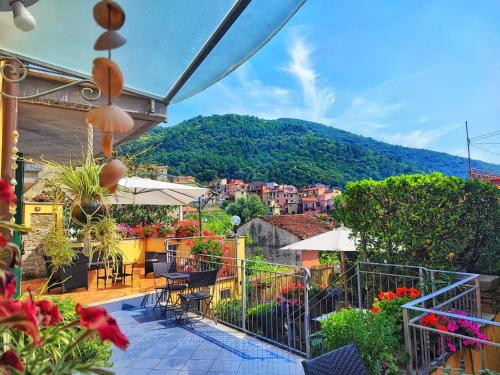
x=405, y=72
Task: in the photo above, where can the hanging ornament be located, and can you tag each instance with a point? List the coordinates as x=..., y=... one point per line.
x=109, y=40
x=111, y=174
x=110, y=119
x=107, y=145
x=107, y=76
x=109, y=15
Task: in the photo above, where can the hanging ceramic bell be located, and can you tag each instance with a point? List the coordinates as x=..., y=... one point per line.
x=107, y=77
x=110, y=119
x=109, y=15
x=107, y=145
x=111, y=174
x=109, y=40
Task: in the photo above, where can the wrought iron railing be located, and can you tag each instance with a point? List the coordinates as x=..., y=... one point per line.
x=280, y=304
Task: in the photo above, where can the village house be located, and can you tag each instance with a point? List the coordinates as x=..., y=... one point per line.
x=270, y=233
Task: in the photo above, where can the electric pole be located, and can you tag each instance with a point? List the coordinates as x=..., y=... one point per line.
x=468, y=149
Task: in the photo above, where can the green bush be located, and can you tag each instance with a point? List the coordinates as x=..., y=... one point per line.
x=375, y=336
x=92, y=350
x=229, y=311
x=425, y=219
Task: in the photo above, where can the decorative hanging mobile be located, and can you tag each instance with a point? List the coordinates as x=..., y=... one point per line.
x=109, y=118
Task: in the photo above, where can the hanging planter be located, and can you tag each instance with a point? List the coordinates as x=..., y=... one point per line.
x=85, y=212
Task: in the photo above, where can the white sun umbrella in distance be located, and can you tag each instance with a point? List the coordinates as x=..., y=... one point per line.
x=144, y=191
x=338, y=239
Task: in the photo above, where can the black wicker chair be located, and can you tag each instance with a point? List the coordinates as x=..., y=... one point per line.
x=197, y=281
x=342, y=361
x=152, y=257
x=160, y=269
x=69, y=277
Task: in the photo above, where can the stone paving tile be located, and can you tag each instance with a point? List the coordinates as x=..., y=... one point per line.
x=159, y=346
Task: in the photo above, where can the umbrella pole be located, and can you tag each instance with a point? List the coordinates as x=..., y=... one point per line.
x=343, y=270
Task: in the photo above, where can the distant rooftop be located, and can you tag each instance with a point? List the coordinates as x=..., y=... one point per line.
x=303, y=226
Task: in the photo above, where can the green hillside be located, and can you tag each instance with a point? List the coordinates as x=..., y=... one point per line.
x=284, y=150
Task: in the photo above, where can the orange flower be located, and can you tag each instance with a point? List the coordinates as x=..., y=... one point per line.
x=442, y=328
x=387, y=296
x=375, y=310
x=430, y=320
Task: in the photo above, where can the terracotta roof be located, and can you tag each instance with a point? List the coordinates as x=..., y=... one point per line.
x=303, y=226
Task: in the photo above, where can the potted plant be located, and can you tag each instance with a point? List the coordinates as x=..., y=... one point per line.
x=208, y=252
x=80, y=183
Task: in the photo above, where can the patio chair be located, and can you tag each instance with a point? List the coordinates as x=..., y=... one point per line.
x=152, y=257
x=197, y=281
x=342, y=361
x=159, y=269
x=69, y=277
x=122, y=273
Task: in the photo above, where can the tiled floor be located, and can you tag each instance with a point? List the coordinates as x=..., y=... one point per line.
x=159, y=346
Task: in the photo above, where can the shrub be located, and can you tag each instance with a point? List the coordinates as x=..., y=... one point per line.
x=229, y=311
x=374, y=335
x=93, y=350
x=430, y=220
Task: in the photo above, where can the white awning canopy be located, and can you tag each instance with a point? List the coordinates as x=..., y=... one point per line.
x=175, y=48
x=144, y=191
x=338, y=239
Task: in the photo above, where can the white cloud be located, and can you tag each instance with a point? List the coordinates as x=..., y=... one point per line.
x=318, y=98
x=310, y=100
x=418, y=138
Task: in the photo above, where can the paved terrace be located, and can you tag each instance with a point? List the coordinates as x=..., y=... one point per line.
x=159, y=346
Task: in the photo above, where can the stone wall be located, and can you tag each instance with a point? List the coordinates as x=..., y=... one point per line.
x=33, y=264
x=269, y=239
x=490, y=294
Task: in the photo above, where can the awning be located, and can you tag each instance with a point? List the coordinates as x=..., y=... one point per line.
x=175, y=48
x=338, y=239
x=144, y=191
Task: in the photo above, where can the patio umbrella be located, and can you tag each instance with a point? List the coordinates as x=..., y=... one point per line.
x=144, y=191
x=338, y=239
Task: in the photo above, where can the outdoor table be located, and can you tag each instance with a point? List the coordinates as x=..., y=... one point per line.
x=172, y=277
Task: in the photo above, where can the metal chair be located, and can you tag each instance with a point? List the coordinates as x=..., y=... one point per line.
x=122, y=273
x=160, y=269
x=342, y=361
x=152, y=257
x=198, y=280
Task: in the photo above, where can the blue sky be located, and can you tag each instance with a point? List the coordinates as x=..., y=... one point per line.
x=405, y=72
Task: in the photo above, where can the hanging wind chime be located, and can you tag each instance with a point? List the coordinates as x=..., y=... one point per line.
x=109, y=118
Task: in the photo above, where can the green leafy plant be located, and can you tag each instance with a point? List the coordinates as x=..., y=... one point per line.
x=374, y=336
x=210, y=248
x=247, y=208
x=229, y=311
x=426, y=219
x=328, y=257
x=108, y=241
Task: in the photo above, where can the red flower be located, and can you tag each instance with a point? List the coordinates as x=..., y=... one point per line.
x=10, y=359
x=429, y=320
x=388, y=296
x=3, y=241
x=21, y=315
x=47, y=313
x=7, y=194
x=7, y=284
x=415, y=293
x=375, y=310
x=442, y=328
x=97, y=319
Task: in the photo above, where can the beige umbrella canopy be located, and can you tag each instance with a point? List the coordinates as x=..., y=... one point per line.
x=339, y=239
x=144, y=191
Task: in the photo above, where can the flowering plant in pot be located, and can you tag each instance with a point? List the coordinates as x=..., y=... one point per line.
x=30, y=325
x=186, y=228
x=209, y=251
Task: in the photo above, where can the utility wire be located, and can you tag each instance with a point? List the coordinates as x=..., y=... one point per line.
x=483, y=136
x=483, y=149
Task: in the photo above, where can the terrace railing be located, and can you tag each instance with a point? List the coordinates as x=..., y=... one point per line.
x=279, y=304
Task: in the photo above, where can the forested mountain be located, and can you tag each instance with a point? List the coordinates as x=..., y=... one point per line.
x=284, y=150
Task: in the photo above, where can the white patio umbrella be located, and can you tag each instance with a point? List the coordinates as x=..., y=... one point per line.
x=144, y=191
x=338, y=239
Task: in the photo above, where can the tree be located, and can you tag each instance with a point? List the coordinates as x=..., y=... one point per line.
x=425, y=219
x=247, y=208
